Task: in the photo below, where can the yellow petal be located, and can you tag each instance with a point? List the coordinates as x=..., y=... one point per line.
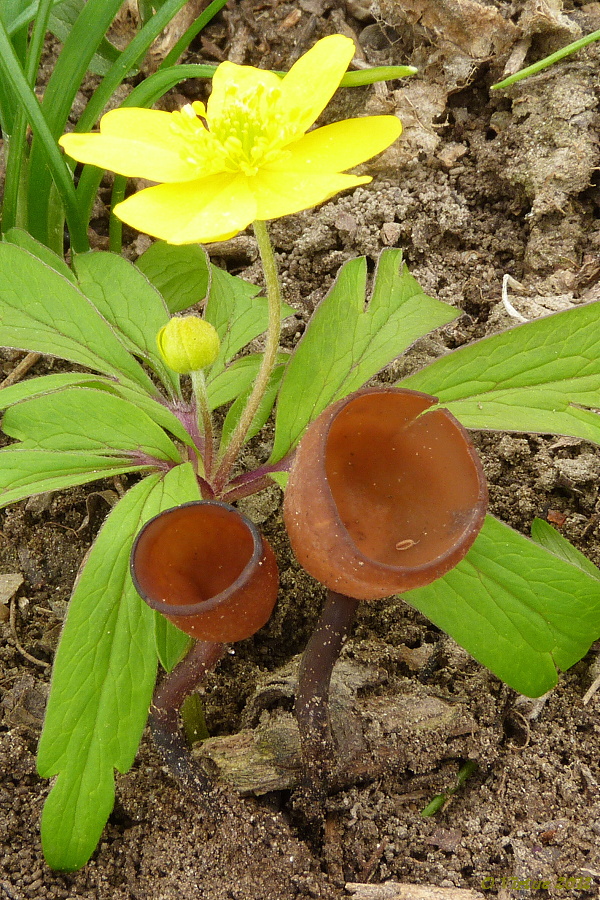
x=313, y=80
x=233, y=82
x=211, y=209
x=341, y=146
x=283, y=193
x=145, y=143
x=134, y=142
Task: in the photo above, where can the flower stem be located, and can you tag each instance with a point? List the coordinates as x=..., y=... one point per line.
x=168, y=697
x=314, y=677
x=269, y=357
x=199, y=385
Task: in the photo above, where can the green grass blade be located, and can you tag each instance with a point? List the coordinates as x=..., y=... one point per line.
x=195, y=28
x=103, y=679
x=542, y=64
x=49, y=158
x=376, y=73
x=63, y=19
x=69, y=71
x=17, y=147
x=131, y=56
x=27, y=14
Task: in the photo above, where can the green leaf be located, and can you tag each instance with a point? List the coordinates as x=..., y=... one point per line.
x=347, y=342
x=543, y=376
x=153, y=408
x=80, y=418
x=46, y=384
x=42, y=311
x=233, y=380
x=549, y=538
x=129, y=303
x=23, y=239
x=171, y=643
x=238, y=315
x=27, y=472
x=237, y=378
x=63, y=17
x=103, y=678
x=179, y=272
x=517, y=608
x=262, y=413
x=236, y=312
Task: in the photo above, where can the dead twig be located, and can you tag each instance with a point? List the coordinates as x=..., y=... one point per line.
x=20, y=370
x=19, y=646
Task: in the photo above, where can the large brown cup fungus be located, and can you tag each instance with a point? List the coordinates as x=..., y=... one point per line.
x=207, y=568
x=383, y=497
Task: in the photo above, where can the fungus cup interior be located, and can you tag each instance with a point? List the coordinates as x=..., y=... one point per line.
x=207, y=568
x=384, y=496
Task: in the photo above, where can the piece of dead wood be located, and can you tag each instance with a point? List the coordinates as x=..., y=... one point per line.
x=393, y=890
x=374, y=734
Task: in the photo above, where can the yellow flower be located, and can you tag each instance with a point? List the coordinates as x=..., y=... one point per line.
x=188, y=344
x=246, y=156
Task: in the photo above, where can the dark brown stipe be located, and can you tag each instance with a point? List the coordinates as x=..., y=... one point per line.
x=314, y=677
x=164, y=713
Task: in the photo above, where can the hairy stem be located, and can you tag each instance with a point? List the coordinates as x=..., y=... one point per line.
x=164, y=713
x=199, y=385
x=269, y=357
x=318, y=660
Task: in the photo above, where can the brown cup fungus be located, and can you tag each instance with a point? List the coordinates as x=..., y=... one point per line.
x=383, y=497
x=206, y=567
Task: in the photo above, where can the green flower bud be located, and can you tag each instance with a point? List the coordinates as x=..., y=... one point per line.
x=188, y=343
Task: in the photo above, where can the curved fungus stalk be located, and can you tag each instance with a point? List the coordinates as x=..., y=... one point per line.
x=206, y=567
x=383, y=497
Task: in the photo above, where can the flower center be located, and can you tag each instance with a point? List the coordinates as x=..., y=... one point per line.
x=247, y=133
x=251, y=128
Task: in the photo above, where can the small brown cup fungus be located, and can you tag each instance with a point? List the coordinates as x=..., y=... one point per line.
x=207, y=568
x=383, y=497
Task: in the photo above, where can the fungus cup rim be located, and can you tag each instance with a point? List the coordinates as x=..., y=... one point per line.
x=482, y=499
x=214, y=602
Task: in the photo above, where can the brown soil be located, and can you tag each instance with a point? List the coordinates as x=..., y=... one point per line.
x=481, y=185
